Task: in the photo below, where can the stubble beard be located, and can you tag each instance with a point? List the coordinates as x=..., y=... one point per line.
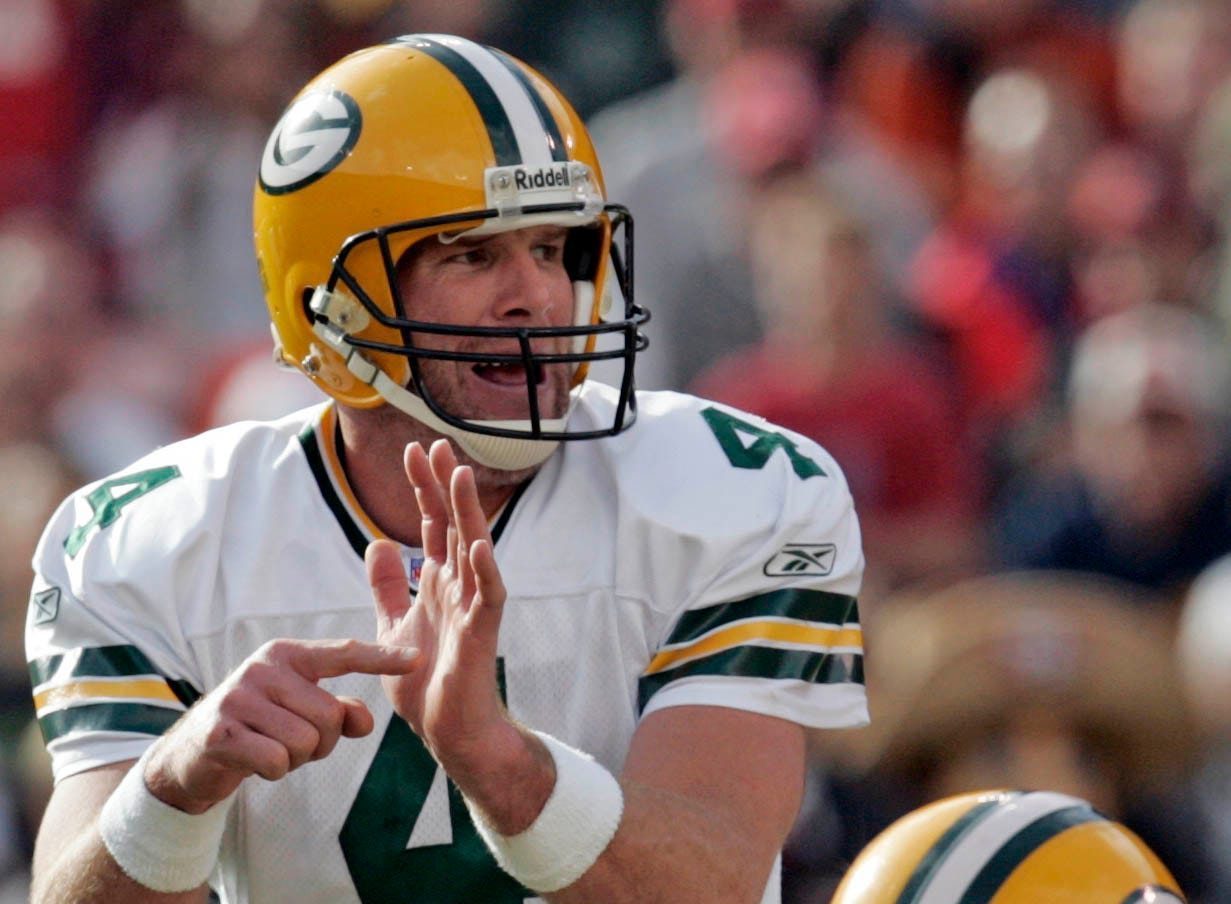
x=448, y=393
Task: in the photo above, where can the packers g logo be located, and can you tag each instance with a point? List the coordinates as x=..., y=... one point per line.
x=314, y=135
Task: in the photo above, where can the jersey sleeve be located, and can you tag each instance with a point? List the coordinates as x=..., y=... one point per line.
x=766, y=581
x=108, y=662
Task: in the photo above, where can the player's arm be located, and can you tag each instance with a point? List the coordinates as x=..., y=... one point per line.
x=709, y=797
x=150, y=831
x=71, y=863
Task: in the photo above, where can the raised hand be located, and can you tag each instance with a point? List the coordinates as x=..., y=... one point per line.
x=451, y=700
x=267, y=718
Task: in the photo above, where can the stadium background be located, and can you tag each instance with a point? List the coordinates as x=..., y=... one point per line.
x=977, y=248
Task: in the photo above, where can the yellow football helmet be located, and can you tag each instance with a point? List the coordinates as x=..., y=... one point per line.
x=434, y=135
x=1007, y=847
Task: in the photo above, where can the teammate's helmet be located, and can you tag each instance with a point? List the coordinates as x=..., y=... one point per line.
x=433, y=135
x=1007, y=847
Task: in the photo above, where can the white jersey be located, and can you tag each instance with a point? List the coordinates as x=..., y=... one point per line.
x=702, y=557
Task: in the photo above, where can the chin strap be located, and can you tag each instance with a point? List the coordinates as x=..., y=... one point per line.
x=501, y=452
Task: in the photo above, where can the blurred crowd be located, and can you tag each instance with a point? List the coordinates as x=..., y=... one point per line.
x=976, y=248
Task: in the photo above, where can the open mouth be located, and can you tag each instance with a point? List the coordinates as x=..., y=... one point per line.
x=508, y=374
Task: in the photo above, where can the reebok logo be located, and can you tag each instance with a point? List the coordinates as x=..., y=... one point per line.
x=801, y=558
x=46, y=605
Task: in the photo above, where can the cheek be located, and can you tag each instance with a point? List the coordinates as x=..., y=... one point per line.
x=563, y=301
x=439, y=301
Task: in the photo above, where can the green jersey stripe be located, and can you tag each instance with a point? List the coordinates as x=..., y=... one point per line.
x=495, y=118
x=354, y=534
x=750, y=661
x=137, y=718
x=119, y=661
x=506, y=513
x=927, y=867
x=795, y=602
x=1011, y=854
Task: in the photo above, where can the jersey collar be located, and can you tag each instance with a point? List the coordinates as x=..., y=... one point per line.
x=321, y=439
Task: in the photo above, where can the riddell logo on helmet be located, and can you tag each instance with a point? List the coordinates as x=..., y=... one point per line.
x=546, y=177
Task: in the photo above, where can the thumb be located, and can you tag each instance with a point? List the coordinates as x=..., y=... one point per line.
x=390, y=586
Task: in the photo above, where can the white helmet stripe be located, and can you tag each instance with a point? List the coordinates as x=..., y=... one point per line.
x=555, y=139
x=972, y=852
x=533, y=142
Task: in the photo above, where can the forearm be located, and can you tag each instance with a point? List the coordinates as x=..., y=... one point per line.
x=667, y=846
x=85, y=873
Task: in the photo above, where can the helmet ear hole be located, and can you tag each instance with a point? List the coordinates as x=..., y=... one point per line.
x=305, y=299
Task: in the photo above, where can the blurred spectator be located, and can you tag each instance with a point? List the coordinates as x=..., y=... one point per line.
x=667, y=120
x=42, y=101
x=1210, y=184
x=1035, y=681
x=689, y=156
x=993, y=280
x=33, y=481
x=1116, y=207
x=244, y=384
x=662, y=156
x=1143, y=491
x=831, y=368
x=1171, y=55
x=172, y=180
x=49, y=313
x=912, y=71
x=132, y=396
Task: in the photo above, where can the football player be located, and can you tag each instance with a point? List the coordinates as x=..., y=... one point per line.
x=601, y=641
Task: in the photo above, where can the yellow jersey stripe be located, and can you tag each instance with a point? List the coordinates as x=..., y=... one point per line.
x=776, y=631
x=328, y=437
x=78, y=691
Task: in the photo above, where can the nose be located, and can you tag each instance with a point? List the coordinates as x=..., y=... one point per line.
x=529, y=289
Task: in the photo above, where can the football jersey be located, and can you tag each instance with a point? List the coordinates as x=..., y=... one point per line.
x=703, y=557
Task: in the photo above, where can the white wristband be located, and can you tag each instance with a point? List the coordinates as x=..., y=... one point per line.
x=155, y=844
x=574, y=827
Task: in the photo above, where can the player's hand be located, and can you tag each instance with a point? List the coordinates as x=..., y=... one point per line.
x=267, y=718
x=452, y=700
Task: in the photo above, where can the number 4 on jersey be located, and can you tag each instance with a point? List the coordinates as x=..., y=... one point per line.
x=107, y=504
x=408, y=836
x=728, y=429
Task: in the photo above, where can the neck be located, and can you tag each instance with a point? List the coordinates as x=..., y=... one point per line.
x=374, y=441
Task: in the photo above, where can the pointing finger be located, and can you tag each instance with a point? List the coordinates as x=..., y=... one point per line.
x=317, y=659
